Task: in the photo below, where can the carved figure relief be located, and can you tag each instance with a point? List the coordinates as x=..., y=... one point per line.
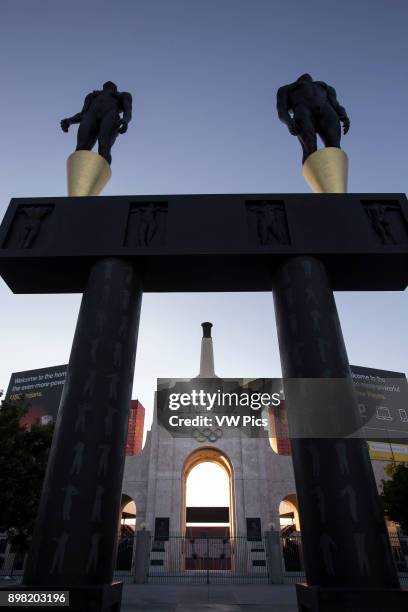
x=328, y=549
x=93, y=556
x=97, y=505
x=78, y=458
x=387, y=221
x=146, y=224
x=59, y=554
x=267, y=222
x=70, y=493
x=28, y=227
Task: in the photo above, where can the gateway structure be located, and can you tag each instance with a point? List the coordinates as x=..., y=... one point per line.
x=261, y=484
x=299, y=247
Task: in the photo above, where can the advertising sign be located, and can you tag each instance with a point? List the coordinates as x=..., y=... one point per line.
x=383, y=404
x=42, y=389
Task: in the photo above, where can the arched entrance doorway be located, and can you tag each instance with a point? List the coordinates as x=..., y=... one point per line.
x=208, y=495
x=289, y=515
x=290, y=532
x=127, y=516
x=208, y=513
x=127, y=528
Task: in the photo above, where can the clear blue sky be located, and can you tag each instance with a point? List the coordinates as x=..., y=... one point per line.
x=203, y=75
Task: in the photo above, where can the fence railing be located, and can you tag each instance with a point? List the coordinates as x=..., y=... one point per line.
x=11, y=560
x=205, y=560
x=180, y=559
x=293, y=558
x=399, y=547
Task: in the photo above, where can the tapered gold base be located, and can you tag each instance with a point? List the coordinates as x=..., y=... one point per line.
x=87, y=173
x=326, y=170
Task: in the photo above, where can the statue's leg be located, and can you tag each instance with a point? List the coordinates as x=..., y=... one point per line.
x=107, y=134
x=329, y=128
x=307, y=131
x=262, y=233
x=151, y=231
x=389, y=234
x=87, y=132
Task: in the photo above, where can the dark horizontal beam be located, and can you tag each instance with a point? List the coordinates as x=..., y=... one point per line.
x=210, y=514
x=205, y=242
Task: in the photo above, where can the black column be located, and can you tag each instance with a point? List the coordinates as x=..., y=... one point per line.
x=76, y=530
x=345, y=541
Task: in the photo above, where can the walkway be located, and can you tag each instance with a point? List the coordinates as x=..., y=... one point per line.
x=212, y=598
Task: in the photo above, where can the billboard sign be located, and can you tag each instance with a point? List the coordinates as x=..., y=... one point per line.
x=42, y=391
x=383, y=404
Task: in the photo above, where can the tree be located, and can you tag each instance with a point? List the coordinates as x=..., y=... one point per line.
x=23, y=459
x=394, y=496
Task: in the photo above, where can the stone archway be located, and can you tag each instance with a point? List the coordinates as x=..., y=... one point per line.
x=128, y=513
x=127, y=528
x=219, y=458
x=288, y=509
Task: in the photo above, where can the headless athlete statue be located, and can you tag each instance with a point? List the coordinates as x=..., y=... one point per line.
x=100, y=119
x=308, y=108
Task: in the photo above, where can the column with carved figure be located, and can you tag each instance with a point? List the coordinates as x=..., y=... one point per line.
x=346, y=549
x=75, y=538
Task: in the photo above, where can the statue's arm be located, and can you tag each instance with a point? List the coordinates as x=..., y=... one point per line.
x=126, y=100
x=340, y=110
x=127, y=106
x=283, y=106
x=65, y=123
x=332, y=97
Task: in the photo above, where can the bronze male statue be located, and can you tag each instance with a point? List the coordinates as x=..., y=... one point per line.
x=100, y=119
x=309, y=108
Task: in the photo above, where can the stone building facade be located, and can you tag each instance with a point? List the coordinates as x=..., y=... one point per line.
x=260, y=478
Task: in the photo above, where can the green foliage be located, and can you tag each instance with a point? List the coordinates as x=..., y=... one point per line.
x=23, y=459
x=394, y=496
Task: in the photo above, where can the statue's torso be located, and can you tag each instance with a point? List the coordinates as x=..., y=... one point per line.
x=310, y=94
x=103, y=102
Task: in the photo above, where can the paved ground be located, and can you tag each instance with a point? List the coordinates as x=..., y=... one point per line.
x=212, y=598
x=203, y=598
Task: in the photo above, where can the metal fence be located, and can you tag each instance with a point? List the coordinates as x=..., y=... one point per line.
x=292, y=558
x=399, y=547
x=293, y=567
x=185, y=560
x=124, y=560
x=11, y=561
x=207, y=560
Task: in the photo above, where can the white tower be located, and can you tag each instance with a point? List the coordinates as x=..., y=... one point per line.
x=207, y=353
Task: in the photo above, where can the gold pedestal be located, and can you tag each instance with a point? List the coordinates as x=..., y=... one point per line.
x=326, y=170
x=87, y=173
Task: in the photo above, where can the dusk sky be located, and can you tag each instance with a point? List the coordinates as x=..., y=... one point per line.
x=204, y=76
